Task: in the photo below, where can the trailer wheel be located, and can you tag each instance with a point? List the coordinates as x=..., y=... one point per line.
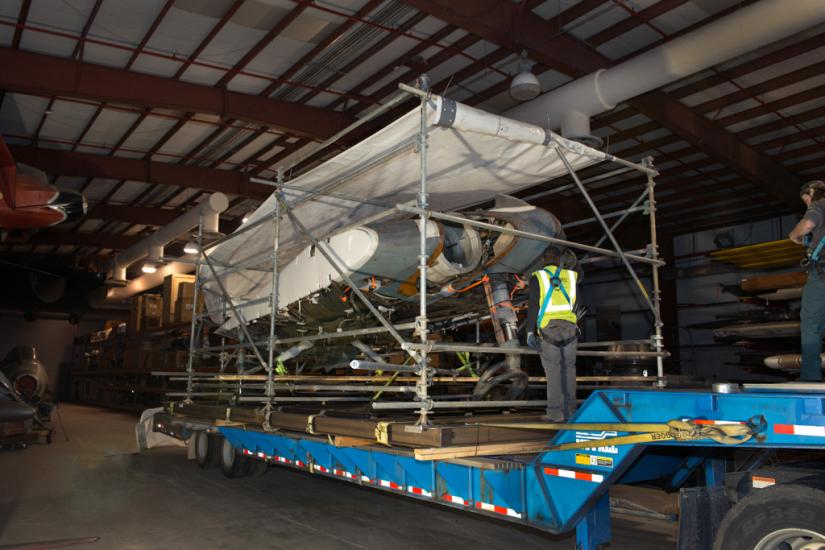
x=777, y=518
x=233, y=464
x=207, y=449
x=257, y=468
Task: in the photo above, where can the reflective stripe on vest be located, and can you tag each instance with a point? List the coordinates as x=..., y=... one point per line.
x=560, y=304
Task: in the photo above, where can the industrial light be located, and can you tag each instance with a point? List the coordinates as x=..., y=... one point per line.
x=191, y=247
x=247, y=216
x=525, y=86
x=154, y=260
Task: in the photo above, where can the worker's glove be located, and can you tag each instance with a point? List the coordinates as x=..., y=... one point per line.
x=531, y=341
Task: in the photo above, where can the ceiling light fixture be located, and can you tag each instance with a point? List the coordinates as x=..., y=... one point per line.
x=191, y=247
x=525, y=85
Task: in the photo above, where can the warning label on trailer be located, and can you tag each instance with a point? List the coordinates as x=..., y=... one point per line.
x=594, y=460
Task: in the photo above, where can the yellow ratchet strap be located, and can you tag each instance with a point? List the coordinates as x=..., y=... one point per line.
x=674, y=430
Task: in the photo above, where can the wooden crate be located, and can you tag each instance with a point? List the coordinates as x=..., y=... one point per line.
x=173, y=286
x=145, y=313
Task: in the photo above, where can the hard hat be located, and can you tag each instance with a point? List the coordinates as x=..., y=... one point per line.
x=811, y=186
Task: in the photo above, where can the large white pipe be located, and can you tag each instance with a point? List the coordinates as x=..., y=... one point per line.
x=743, y=31
x=209, y=209
x=152, y=280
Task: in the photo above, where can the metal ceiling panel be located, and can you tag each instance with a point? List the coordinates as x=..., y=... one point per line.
x=231, y=43
x=99, y=188
x=128, y=191
x=9, y=10
x=109, y=126
x=185, y=139
x=155, y=66
x=65, y=183
x=181, y=31
x=595, y=21
x=552, y=8
x=66, y=121
x=20, y=113
x=181, y=197
x=65, y=16
x=134, y=230
x=89, y=225
x=198, y=74
x=148, y=133
x=708, y=94
x=629, y=42
x=255, y=145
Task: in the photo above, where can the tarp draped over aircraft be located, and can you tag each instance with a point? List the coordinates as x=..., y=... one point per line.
x=472, y=156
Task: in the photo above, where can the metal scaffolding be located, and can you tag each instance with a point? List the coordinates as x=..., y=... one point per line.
x=242, y=387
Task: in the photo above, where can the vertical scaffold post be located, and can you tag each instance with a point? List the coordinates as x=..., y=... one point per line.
x=658, y=343
x=421, y=321
x=273, y=309
x=193, y=328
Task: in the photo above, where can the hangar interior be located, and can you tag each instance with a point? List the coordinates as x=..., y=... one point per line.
x=307, y=233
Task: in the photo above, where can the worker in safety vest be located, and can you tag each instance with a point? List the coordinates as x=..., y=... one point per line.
x=811, y=231
x=551, y=329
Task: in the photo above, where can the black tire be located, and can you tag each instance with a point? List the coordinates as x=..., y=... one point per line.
x=257, y=468
x=767, y=518
x=233, y=463
x=207, y=449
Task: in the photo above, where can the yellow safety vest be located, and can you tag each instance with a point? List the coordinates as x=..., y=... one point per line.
x=562, y=295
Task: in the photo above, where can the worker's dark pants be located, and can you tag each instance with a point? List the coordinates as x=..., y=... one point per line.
x=558, y=343
x=813, y=325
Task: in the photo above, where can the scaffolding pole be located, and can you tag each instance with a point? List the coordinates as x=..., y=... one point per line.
x=608, y=233
x=273, y=310
x=193, y=329
x=658, y=342
x=422, y=385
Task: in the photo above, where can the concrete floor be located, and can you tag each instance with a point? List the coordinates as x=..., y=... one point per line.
x=95, y=484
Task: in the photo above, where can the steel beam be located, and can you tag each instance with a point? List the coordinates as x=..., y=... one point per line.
x=144, y=215
x=66, y=163
x=40, y=74
x=73, y=238
x=494, y=21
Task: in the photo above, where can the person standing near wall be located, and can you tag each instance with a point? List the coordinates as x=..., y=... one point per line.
x=552, y=331
x=811, y=231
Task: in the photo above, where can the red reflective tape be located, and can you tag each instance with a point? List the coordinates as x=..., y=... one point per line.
x=455, y=500
x=573, y=474
x=786, y=429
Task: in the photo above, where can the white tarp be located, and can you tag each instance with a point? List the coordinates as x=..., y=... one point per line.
x=472, y=158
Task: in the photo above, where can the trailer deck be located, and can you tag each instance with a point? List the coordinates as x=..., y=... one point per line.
x=556, y=490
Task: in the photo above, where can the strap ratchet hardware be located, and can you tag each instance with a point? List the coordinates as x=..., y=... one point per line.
x=382, y=433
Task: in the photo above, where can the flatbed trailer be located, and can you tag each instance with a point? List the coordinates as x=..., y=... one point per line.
x=560, y=489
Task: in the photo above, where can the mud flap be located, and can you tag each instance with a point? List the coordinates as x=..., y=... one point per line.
x=701, y=510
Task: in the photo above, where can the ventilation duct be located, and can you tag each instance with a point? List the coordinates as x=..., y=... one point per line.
x=152, y=246
x=571, y=106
